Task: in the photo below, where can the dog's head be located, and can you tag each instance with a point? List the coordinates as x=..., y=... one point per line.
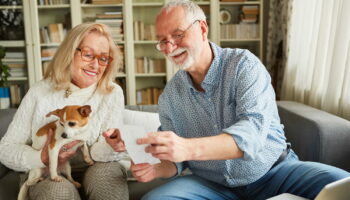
x=73, y=119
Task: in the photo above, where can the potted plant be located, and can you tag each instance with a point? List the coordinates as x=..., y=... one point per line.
x=4, y=74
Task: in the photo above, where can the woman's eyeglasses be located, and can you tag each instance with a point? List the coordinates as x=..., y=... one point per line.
x=88, y=56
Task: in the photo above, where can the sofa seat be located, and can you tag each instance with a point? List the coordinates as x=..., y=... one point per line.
x=315, y=136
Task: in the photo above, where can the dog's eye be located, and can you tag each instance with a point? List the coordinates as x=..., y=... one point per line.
x=71, y=124
x=61, y=123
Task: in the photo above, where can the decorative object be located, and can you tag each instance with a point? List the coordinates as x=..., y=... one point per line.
x=11, y=21
x=4, y=74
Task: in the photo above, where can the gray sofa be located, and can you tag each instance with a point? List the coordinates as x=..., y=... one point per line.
x=315, y=136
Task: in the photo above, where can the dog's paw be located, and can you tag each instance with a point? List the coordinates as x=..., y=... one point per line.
x=33, y=182
x=76, y=184
x=90, y=162
x=57, y=178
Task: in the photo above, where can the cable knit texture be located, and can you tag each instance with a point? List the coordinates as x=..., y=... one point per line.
x=15, y=147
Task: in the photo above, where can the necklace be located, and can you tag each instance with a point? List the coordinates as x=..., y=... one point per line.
x=67, y=92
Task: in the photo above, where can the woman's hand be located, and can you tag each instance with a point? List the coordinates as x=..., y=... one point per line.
x=66, y=152
x=114, y=139
x=146, y=172
x=143, y=172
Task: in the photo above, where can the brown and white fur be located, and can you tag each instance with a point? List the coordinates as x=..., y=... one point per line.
x=72, y=125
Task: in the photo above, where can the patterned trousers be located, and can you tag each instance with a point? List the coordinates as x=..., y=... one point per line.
x=102, y=181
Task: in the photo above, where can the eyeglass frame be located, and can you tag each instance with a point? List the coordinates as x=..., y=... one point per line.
x=179, y=37
x=110, y=59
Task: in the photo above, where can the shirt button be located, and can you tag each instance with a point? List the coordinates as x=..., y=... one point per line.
x=209, y=99
x=215, y=126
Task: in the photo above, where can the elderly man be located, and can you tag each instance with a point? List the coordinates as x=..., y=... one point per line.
x=219, y=119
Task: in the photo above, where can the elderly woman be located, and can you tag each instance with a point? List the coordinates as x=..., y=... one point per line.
x=81, y=72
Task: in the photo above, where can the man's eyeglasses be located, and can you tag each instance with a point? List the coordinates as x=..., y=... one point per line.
x=175, y=39
x=88, y=56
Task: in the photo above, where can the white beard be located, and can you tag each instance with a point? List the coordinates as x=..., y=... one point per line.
x=187, y=63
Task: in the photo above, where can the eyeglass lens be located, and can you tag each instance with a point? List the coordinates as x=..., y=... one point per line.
x=88, y=55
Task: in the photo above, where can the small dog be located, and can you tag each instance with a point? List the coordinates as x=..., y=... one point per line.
x=71, y=126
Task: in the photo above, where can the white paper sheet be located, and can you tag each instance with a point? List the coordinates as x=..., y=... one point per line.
x=137, y=152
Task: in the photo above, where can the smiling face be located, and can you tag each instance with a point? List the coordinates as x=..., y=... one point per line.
x=173, y=23
x=85, y=73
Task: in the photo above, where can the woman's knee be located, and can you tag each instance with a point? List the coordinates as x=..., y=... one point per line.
x=49, y=189
x=105, y=171
x=106, y=181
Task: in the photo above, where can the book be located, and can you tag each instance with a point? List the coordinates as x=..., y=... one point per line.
x=4, y=97
x=15, y=93
x=54, y=32
x=48, y=52
x=147, y=96
x=106, y=1
x=232, y=0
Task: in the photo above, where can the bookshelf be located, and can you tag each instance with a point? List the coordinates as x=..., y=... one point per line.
x=145, y=69
x=16, y=40
x=150, y=66
x=241, y=25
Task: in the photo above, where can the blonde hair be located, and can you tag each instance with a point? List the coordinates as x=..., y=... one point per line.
x=59, y=69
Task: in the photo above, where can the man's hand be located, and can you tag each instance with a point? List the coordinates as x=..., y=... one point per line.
x=166, y=145
x=66, y=152
x=114, y=139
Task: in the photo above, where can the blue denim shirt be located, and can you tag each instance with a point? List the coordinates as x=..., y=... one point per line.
x=238, y=100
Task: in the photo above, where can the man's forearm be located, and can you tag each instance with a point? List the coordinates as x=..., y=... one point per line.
x=166, y=169
x=219, y=147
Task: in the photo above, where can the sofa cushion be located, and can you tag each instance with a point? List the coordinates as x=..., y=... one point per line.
x=150, y=121
x=9, y=186
x=5, y=119
x=143, y=108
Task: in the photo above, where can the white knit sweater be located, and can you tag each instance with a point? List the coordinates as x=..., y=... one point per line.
x=15, y=147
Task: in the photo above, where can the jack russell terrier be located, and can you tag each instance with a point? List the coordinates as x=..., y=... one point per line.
x=72, y=125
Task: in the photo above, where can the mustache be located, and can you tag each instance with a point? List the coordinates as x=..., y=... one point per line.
x=177, y=52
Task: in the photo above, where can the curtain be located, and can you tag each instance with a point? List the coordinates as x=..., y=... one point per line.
x=318, y=65
x=276, y=48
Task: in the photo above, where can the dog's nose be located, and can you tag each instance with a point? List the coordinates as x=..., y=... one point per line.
x=71, y=124
x=64, y=135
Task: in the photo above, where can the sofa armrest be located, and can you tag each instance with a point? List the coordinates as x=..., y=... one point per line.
x=316, y=135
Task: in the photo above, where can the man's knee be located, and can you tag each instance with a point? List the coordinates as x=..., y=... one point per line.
x=329, y=174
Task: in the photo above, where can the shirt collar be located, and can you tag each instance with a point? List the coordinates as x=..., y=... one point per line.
x=214, y=70
x=211, y=79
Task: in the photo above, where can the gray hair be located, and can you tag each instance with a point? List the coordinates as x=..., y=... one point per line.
x=192, y=10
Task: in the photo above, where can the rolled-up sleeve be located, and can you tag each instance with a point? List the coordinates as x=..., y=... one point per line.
x=253, y=98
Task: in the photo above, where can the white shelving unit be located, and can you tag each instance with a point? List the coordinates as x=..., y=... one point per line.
x=24, y=48
x=253, y=42
x=37, y=16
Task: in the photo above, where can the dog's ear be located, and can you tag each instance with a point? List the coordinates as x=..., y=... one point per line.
x=84, y=110
x=55, y=112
